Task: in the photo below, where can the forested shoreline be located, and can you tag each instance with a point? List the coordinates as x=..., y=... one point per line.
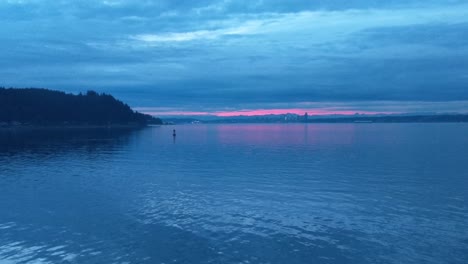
x=44, y=107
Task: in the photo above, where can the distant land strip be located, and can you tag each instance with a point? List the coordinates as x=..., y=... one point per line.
x=291, y=118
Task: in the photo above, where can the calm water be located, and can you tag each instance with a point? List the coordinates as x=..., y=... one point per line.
x=341, y=193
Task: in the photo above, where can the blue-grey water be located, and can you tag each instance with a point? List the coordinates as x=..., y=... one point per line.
x=293, y=193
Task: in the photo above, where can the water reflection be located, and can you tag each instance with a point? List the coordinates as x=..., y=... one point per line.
x=45, y=191
x=236, y=193
x=296, y=134
x=266, y=134
x=40, y=141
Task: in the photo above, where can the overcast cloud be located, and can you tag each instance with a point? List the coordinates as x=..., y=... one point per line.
x=214, y=56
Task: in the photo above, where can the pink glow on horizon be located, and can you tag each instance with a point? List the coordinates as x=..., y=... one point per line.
x=259, y=112
x=298, y=111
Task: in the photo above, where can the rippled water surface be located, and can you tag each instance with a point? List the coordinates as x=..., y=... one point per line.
x=341, y=193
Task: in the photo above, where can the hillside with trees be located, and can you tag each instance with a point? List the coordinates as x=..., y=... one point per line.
x=43, y=107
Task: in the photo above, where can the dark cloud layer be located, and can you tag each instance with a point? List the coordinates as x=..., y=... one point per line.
x=237, y=54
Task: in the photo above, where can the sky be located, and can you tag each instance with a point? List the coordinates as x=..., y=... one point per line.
x=231, y=57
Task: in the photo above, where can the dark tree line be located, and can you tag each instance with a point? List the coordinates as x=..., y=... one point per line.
x=47, y=107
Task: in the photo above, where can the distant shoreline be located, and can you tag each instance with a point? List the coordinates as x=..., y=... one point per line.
x=297, y=119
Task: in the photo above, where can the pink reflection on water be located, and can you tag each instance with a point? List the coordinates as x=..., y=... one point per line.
x=281, y=134
x=264, y=135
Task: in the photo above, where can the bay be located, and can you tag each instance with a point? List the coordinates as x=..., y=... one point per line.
x=236, y=193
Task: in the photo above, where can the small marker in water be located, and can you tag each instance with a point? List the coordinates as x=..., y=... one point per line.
x=173, y=133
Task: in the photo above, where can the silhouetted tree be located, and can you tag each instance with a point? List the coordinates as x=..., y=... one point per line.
x=47, y=107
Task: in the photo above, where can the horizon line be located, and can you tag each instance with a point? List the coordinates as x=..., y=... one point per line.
x=264, y=112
